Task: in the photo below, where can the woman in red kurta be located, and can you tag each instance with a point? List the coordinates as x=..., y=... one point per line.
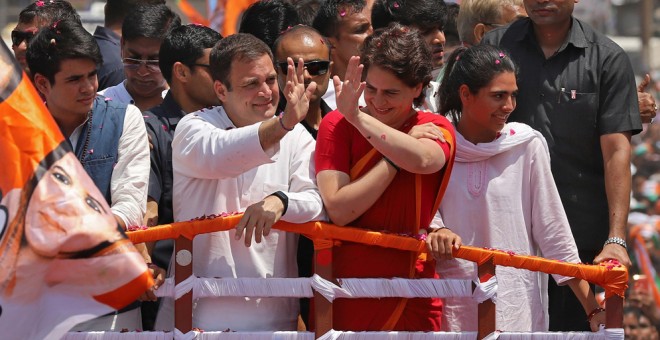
x=373, y=175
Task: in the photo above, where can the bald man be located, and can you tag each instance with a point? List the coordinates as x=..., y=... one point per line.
x=307, y=43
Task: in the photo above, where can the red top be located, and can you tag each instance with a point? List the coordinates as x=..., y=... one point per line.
x=339, y=146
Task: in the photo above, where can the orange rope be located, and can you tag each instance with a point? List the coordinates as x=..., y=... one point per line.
x=612, y=277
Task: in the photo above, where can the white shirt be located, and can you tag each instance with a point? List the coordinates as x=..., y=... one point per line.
x=220, y=168
x=120, y=94
x=431, y=100
x=502, y=195
x=130, y=177
x=331, y=100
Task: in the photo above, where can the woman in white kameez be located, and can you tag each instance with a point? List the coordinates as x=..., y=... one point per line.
x=501, y=195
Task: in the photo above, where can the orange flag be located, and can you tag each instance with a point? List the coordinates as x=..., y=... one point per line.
x=63, y=259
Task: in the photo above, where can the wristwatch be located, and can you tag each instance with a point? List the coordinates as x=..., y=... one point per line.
x=284, y=198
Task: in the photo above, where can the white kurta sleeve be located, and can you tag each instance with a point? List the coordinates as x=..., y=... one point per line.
x=202, y=150
x=437, y=222
x=550, y=228
x=130, y=177
x=305, y=202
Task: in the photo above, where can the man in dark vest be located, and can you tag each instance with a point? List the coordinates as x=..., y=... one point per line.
x=184, y=63
x=108, y=138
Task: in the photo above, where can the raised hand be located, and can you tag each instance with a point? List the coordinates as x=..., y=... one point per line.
x=348, y=91
x=647, y=105
x=297, y=96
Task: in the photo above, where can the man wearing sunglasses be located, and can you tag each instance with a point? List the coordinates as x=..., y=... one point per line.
x=307, y=43
x=108, y=36
x=143, y=31
x=32, y=18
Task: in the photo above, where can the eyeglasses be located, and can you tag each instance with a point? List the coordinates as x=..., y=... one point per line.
x=315, y=68
x=200, y=65
x=17, y=37
x=134, y=64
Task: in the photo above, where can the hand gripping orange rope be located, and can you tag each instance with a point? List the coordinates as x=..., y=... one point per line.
x=612, y=277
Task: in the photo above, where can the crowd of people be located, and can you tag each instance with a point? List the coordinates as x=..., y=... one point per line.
x=506, y=124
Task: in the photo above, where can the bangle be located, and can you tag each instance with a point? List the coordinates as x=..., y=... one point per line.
x=594, y=312
x=284, y=198
x=616, y=240
x=282, y=123
x=391, y=163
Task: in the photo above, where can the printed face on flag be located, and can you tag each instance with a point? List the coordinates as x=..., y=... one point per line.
x=64, y=260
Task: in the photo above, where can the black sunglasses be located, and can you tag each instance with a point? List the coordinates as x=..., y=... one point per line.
x=315, y=68
x=17, y=37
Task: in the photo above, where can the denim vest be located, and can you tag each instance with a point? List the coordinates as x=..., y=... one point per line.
x=102, y=150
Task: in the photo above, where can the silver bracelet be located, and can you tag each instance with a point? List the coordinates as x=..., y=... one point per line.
x=616, y=240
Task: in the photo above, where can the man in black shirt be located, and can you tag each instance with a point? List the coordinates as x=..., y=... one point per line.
x=184, y=63
x=307, y=43
x=577, y=87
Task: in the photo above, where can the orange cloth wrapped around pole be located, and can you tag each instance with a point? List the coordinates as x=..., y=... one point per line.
x=612, y=277
x=63, y=258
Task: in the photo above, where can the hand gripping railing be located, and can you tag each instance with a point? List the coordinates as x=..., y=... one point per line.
x=611, y=276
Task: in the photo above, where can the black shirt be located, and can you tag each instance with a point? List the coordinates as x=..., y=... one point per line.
x=281, y=105
x=324, y=111
x=161, y=122
x=585, y=90
x=111, y=72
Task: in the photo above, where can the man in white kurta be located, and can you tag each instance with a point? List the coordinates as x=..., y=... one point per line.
x=232, y=159
x=502, y=195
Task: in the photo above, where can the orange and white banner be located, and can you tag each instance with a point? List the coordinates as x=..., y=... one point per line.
x=63, y=259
